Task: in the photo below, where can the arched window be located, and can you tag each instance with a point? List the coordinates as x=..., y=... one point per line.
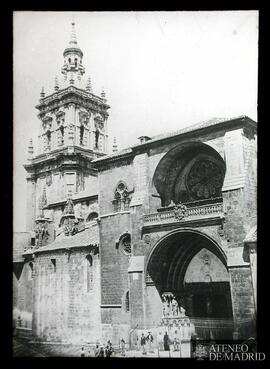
x=81, y=134
x=61, y=135
x=48, y=135
x=54, y=265
x=76, y=62
x=92, y=216
x=69, y=60
x=89, y=273
x=121, y=197
x=127, y=302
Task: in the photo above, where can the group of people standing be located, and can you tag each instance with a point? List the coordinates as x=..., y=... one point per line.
x=100, y=351
x=147, y=343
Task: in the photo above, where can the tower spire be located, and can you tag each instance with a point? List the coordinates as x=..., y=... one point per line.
x=56, y=84
x=89, y=85
x=30, y=150
x=42, y=93
x=73, y=58
x=103, y=94
x=73, y=38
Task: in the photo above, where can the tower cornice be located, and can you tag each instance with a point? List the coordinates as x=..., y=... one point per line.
x=74, y=95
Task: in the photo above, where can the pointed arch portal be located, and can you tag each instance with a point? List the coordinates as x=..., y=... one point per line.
x=193, y=267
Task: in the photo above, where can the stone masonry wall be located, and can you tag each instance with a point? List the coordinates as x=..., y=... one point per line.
x=114, y=263
x=64, y=309
x=23, y=293
x=243, y=303
x=250, y=144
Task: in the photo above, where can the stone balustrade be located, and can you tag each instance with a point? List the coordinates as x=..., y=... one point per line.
x=191, y=213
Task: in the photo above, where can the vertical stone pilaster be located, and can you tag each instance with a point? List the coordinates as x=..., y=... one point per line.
x=140, y=195
x=31, y=203
x=241, y=294
x=234, y=157
x=136, y=280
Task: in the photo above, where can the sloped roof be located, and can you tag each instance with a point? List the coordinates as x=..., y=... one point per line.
x=87, y=237
x=194, y=127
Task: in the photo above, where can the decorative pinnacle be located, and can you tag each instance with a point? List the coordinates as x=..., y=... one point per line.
x=42, y=93
x=69, y=208
x=115, y=147
x=56, y=84
x=89, y=85
x=30, y=149
x=103, y=95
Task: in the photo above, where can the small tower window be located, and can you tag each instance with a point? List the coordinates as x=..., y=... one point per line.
x=96, y=137
x=127, y=302
x=89, y=273
x=61, y=135
x=48, y=135
x=76, y=62
x=81, y=134
x=69, y=60
x=33, y=239
x=54, y=265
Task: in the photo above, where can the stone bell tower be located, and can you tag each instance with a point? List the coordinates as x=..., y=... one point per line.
x=72, y=115
x=72, y=132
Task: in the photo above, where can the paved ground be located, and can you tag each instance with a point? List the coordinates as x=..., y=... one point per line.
x=22, y=349
x=26, y=348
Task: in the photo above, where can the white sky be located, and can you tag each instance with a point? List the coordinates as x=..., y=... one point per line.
x=162, y=71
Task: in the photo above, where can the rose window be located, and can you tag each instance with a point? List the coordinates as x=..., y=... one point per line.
x=205, y=180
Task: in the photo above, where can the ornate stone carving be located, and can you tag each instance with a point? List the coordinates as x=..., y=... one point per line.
x=147, y=238
x=148, y=279
x=69, y=208
x=42, y=233
x=180, y=211
x=171, y=307
x=49, y=179
x=84, y=118
x=205, y=268
x=121, y=197
x=70, y=227
x=126, y=245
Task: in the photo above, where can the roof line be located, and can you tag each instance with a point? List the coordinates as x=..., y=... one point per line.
x=172, y=135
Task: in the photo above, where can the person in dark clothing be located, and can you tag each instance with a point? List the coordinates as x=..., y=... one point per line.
x=166, y=342
x=108, y=350
x=82, y=352
x=150, y=340
x=96, y=351
x=101, y=352
x=143, y=342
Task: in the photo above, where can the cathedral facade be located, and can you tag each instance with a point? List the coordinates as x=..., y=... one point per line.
x=113, y=240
